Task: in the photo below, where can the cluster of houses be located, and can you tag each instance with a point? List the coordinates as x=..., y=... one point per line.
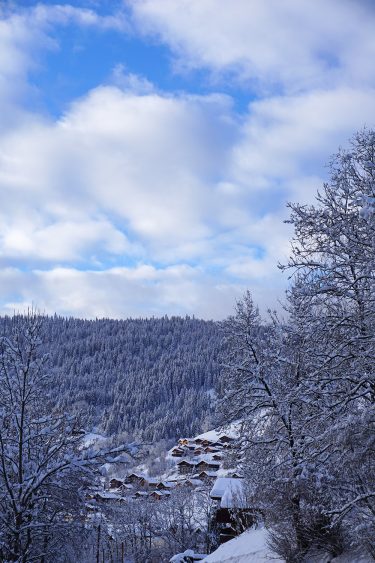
x=198, y=463
x=200, y=460
x=202, y=456
x=139, y=486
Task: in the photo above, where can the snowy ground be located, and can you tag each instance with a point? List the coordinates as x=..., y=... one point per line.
x=249, y=547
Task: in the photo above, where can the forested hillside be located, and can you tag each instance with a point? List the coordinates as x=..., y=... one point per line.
x=151, y=378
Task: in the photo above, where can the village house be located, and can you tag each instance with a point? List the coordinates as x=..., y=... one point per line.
x=134, y=478
x=159, y=495
x=225, y=439
x=211, y=449
x=164, y=486
x=233, y=513
x=204, y=465
x=115, y=483
x=140, y=494
x=206, y=476
x=185, y=466
x=107, y=497
x=183, y=441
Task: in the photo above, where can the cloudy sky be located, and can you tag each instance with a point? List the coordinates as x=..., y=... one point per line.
x=148, y=147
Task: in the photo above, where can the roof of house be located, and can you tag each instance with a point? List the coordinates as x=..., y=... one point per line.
x=230, y=491
x=186, y=462
x=215, y=435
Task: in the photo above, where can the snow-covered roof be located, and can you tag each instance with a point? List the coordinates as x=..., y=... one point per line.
x=234, y=496
x=187, y=462
x=160, y=493
x=195, y=482
x=231, y=492
x=108, y=495
x=214, y=435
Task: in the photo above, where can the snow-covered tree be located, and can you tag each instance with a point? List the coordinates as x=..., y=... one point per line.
x=265, y=380
x=333, y=258
x=43, y=471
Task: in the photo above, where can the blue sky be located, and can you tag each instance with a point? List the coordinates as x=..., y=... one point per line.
x=148, y=147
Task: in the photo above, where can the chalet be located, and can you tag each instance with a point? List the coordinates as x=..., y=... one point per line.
x=193, y=483
x=206, y=443
x=177, y=452
x=233, y=514
x=202, y=465
x=134, y=478
x=211, y=449
x=115, y=484
x=206, y=476
x=159, y=495
x=224, y=439
x=208, y=465
x=126, y=488
x=107, y=497
x=156, y=495
x=183, y=441
x=140, y=494
x=198, y=451
x=186, y=466
x=225, y=487
x=164, y=486
x=152, y=483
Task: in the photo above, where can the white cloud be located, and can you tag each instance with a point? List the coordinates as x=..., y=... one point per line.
x=118, y=292
x=266, y=43
x=63, y=241
x=168, y=179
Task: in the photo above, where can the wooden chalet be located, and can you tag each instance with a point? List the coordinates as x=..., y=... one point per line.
x=115, y=483
x=211, y=449
x=233, y=514
x=224, y=439
x=164, y=486
x=140, y=494
x=107, y=497
x=134, y=479
x=206, y=476
x=177, y=452
x=208, y=465
x=183, y=441
x=192, y=483
x=152, y=483
x=159, y=495
x=202, y=465
x=186, y=466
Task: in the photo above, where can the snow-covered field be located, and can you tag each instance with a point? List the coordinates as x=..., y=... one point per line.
x=249, y=547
